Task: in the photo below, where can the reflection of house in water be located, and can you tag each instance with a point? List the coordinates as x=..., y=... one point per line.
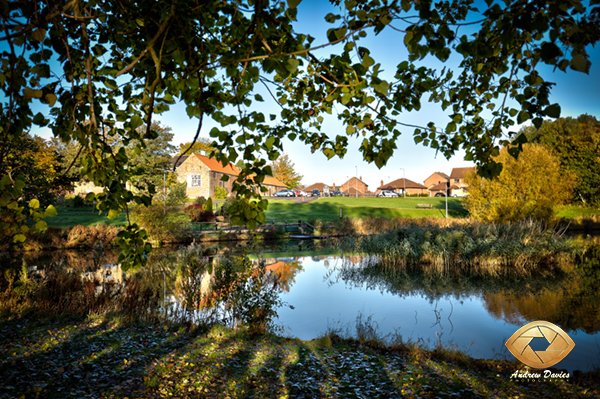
x=284, y=270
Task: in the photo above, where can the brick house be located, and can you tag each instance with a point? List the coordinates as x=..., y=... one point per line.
x=353, y=186
x=435, y=178
x=203, y=174
x=441, y=189
x=322, y=187
x=399, y=185
x=457, y=177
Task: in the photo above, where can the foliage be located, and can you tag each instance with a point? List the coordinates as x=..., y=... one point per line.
x=163, y=224
x=175, y=194
x=475, y=249
x=220, y=193
x=150, y=160
x=98, y=71
x=284, y=170
x=208, y=207
x=198, y=213
x=197, y=147
x=247, y=292
x=200, y=200
x=576, y=142
x=528, y=187
x=78, y=201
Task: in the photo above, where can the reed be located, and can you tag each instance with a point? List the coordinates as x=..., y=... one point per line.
x=474, y=247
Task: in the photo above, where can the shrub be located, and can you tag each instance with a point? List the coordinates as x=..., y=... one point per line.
x=228, y=202
x=196, y=213
x=220, y=193
x=528, y=187
x=162, y=224
x=200, y=201
x=208, y=207
x=78, y=202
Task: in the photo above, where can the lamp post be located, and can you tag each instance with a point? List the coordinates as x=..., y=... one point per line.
x=404, y=181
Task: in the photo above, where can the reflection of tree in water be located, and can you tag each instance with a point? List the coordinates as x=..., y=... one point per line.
x=574, y=304
x=570, y=300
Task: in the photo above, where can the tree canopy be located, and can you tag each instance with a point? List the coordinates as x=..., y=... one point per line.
x=576, y=141
x=285, y=171
x=100, y=69
x=529, y=187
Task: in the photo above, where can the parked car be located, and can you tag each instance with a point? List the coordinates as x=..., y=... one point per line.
x=388, y=194
x=304, y=193
x=440, y=194
x=284, y=193
x=336, y=193
x=315, y=193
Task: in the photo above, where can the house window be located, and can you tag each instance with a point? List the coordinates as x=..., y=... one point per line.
x=196, y=180
x=456, y=180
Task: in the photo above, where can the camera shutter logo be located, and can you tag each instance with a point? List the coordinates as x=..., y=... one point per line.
x=559, y=344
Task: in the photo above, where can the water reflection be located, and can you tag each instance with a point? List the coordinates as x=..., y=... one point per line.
x=475, y=314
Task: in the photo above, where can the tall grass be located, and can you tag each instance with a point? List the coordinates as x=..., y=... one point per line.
x=473, y=247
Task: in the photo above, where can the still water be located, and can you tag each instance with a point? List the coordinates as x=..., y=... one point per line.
x=477, y=317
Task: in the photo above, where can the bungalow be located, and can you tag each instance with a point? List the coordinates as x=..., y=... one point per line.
x=400, y=185
x=323, y=188
x=203, y=174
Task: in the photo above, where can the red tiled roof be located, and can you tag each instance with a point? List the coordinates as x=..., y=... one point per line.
x=442, y=186
x=459, y=173
x=399, y=183
x=217, y=166
x=316, y=186
x=441, y=174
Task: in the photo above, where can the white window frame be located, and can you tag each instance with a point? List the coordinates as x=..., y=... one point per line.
x=195, y=180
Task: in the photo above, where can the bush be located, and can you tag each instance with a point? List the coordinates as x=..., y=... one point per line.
x=162, y=225
x=228, y=202
x=527, y=188
x=197, y=213
x=200, y=201
x=208, y=207
x=220, y=193
x=78, y=202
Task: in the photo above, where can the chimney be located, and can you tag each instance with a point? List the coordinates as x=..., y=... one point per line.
x=360, y=178
x=382, y=182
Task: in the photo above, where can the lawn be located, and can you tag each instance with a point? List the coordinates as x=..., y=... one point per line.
x=329, y=208
x=571, y=211
x=106, y=358
x=71, y=218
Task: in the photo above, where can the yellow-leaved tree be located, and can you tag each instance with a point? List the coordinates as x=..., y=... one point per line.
x=529, y=187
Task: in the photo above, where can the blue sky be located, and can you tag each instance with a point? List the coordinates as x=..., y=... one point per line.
x=577, y=93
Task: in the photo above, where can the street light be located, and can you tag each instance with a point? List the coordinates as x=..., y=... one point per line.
x=404, y=181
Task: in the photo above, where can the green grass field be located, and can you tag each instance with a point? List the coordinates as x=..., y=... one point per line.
x=66, y=219
x=329, y=208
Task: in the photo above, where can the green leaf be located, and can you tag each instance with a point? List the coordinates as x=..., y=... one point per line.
x=292, y=65
x=293, y=3
x=39, y=34
x=553, y=111
x=136, y=122
x=51, y=98
x=113, y=213
x=34, y=204
x=41, y=225
x=50, y=211
x=407, y=38
x=579, y=63
x=18, y=238
x=258, y=97
x=523, y=116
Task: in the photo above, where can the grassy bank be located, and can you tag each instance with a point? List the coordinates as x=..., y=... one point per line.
x=107, y=358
